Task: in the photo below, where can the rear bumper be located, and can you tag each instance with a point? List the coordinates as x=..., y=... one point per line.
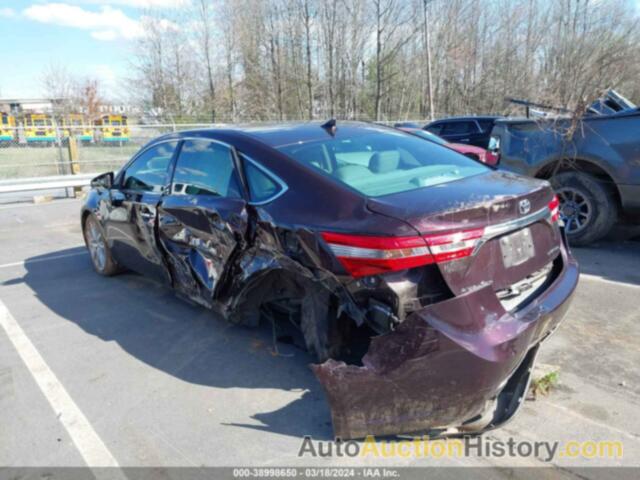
x=447, y=365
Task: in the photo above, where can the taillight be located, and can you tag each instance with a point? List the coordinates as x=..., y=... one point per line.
x=554, y=208
x=369, y=255
x=491, y=158
x=451, y=246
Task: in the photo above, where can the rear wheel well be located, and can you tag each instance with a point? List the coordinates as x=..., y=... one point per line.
x=578, y=165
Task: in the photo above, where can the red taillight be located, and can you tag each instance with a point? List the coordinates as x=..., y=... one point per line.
x=369, y=255
x=491, y=158
x=554, y=208
x=451, y=246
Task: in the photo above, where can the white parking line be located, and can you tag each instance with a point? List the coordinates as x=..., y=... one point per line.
x=91, y=447
x=46, y=259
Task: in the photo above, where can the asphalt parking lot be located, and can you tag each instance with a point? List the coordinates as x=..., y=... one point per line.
x=150, y=380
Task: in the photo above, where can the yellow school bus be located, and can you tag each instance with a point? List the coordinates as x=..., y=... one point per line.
x=38, y=128
x=7, y=127
x=76, y=124
x=112, y=128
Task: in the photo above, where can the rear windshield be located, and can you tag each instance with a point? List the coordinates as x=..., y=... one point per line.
x=383, y=163
x=430, y=136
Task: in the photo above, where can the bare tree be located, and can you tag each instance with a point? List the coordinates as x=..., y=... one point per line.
x=205, y=34
x=384, y=59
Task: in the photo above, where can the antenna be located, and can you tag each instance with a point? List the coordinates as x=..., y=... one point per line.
x=330, y=126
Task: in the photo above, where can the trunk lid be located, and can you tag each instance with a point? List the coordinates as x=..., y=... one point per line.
x=518, y=237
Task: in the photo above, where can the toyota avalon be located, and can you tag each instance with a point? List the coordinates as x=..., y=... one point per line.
x=454, y=272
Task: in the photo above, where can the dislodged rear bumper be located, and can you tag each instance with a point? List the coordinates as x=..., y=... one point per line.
x=446, y=365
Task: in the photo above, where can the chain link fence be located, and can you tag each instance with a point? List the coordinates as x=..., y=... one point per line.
x=83, y=149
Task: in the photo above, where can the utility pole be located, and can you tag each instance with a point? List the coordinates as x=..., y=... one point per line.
x=427, y=42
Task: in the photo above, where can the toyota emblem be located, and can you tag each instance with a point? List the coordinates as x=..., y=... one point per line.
x=524, y=206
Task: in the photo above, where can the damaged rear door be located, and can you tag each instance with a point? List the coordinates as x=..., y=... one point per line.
x=203, y=220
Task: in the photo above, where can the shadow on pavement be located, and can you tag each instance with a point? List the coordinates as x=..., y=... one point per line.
x=187, y=341
x=618, y=261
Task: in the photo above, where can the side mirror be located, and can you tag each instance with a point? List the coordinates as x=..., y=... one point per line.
x=103, y=181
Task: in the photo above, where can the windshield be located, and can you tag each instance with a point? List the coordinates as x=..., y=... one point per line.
x=115, y=123
x=383, y=163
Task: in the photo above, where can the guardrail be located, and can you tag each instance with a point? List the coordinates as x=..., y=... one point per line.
x=46, y=183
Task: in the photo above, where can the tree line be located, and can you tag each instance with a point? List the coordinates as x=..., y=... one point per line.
x=257, y=60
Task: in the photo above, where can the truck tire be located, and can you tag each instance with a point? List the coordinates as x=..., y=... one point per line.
x=588, y=207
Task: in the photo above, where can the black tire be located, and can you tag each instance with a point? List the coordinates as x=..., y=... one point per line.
x=318, y=323
x=588, y=206
x=93, y=236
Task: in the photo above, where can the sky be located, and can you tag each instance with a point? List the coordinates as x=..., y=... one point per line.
x=91, y=38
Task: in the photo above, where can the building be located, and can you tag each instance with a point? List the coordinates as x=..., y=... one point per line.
x=16, y=106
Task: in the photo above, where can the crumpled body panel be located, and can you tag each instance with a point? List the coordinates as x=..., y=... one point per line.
x=443, y=366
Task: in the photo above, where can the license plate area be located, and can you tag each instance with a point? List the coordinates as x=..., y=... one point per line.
x=517, y=248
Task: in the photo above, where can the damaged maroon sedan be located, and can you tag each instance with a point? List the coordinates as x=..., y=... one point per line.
x=451, y=272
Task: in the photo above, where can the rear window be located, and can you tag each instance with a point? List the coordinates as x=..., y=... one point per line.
x=430, y=136
x=384, y=163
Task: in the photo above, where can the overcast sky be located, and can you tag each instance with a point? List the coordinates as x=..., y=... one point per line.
x=90, y=37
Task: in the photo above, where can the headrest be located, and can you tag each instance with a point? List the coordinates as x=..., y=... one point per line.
x=383, y=162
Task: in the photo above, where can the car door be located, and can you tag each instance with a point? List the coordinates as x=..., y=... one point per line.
x=131, y=220
x=203, y=220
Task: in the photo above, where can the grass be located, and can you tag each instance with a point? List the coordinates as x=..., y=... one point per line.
x=36, y=161
x=543, y=385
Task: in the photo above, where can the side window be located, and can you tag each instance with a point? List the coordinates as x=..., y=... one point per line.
x=485, y=125
x=437, y=128
x=148, y=173
x=205, y=168
x=459, y=128
x=261, y=186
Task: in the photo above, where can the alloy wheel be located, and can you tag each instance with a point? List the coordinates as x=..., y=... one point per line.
x=576, y=209
x=97, y=248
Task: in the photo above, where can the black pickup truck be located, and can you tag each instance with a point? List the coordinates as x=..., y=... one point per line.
x=595, y=170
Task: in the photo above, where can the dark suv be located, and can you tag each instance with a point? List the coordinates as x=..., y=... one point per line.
x=470, y=130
